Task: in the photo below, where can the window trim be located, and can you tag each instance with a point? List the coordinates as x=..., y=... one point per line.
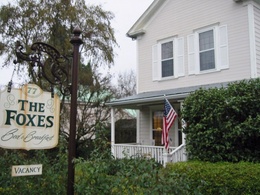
x=178, y=58
x=162, y=60
x=214, y=49
x=220, y=45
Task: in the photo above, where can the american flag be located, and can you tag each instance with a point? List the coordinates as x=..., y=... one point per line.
x=169, y=115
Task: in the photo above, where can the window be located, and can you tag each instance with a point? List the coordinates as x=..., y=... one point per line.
x=208, y=50
x=157, y=120
x=168, y=59
x=157, y=127
x=175, y=134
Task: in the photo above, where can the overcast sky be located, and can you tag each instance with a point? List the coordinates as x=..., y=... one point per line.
x=126, y=14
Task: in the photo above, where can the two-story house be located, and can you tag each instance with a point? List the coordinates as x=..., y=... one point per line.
x=183, y=45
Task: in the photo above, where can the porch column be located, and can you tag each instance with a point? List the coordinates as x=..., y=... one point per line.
x=137, y=127
x=112, y=130
x=166, y=158
x=185, y=158
x=183, y=134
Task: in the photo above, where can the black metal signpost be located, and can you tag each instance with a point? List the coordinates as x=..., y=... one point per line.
x=76, y=41
x=57, y=75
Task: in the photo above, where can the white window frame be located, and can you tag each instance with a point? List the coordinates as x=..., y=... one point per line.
x=214, y=48
x=178, y=59
x=167, y=59
x=220, y=50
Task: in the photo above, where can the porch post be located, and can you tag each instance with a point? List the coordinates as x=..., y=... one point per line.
x=183, y=134
x=183, y=138
x=166, y=158
x=112, y=130
x=137, y=127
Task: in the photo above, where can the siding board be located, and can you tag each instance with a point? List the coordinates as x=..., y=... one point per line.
x=144, y=126
x=180, y=18
x=257, y=38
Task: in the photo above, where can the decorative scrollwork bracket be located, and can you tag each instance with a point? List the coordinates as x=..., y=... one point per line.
x=48, y=62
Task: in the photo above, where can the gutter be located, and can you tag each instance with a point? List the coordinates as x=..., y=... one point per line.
x=137, y=102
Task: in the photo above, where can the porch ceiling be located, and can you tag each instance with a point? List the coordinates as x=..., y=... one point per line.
x=156, y=97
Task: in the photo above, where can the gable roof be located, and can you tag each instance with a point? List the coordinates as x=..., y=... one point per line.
x=157, y=97
x=138, y=27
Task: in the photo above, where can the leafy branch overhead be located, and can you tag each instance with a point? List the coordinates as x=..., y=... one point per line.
x=52, y=22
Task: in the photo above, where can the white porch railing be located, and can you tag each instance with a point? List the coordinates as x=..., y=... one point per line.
x=175, y=154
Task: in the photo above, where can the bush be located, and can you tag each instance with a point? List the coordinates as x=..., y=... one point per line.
x=52, y=180
x=223, y=123
x=142, y=176
x=213, y=178
x=116, y=176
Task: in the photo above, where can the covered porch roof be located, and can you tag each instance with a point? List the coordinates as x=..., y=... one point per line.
x=156, y=97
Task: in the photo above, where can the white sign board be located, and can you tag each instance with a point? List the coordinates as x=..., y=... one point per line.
x=24, y=170
x=29, y=118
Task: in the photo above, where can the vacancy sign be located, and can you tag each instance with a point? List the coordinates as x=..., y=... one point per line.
x=25, y=170
x=29, y=118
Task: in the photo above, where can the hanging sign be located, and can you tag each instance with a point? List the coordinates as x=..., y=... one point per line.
x=29, y=118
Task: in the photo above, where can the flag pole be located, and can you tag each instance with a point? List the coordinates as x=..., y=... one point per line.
x=169, y=116
x=163, y=131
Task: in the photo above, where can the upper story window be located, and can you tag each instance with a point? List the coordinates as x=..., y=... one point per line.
x=208, y=50
x=168, y=59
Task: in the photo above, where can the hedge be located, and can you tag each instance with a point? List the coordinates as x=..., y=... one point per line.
x=140, y=176
x=213, y=178
x=224, y=123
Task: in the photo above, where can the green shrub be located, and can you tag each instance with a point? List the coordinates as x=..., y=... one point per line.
x=223, y=123
x=213, y=178
x=142, y=176
x=116, y=176
x=52, y=180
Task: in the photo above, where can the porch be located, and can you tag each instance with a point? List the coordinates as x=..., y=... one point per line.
x=149, y=112
x=147, y=104
x=158, y=153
